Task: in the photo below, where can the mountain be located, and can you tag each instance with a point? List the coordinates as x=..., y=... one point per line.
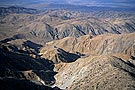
x=56, y=49
x=14, y=9
x=22, y=66
x=102, y=44
x=104, y=61
x=38, y=30
x=93, y=26
x=57, y=24
x=101, y=72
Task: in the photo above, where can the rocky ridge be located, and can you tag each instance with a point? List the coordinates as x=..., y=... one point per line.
x=58, y=24
x=104, y=61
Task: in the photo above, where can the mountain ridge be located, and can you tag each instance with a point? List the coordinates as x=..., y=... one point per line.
x=87, y=50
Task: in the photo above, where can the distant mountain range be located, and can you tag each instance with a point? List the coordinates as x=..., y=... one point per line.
x=14, y=9
x=26, y=2
x=97, y=3
x=48, y=25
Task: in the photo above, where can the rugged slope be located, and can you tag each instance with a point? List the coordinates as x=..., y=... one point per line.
x=98, y=72
x=87, y=52
x=105, y=60
x=11, y=23
x=58, y=55
x=94, y=26
x=57, y=24
x=21, y=65
x=103, y=44
x=38, y=31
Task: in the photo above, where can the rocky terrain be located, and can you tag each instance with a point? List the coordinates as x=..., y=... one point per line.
x=22, y=68
x=57, y=24
x=104, y=61
x=72, y=50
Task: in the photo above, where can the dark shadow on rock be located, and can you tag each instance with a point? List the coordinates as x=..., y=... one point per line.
x=133, y=57
x=120, y=66
x=14, y=65
x=21, y=84
x=7, y=40
x=18, y=36
x=130, y=73
x=32, y=45
x=118, y=63
x=66, y=56
x=46, y=76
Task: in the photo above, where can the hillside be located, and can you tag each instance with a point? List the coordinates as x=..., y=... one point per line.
x=104, y=61
x=102, y=44
x=22, y=68
x=100, y=72
x=54, y=49
x=57, y=24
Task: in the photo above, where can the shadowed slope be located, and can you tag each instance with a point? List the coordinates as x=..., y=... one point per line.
x=24, y=63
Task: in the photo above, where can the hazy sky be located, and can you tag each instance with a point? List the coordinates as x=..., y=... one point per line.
x=110, y=3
